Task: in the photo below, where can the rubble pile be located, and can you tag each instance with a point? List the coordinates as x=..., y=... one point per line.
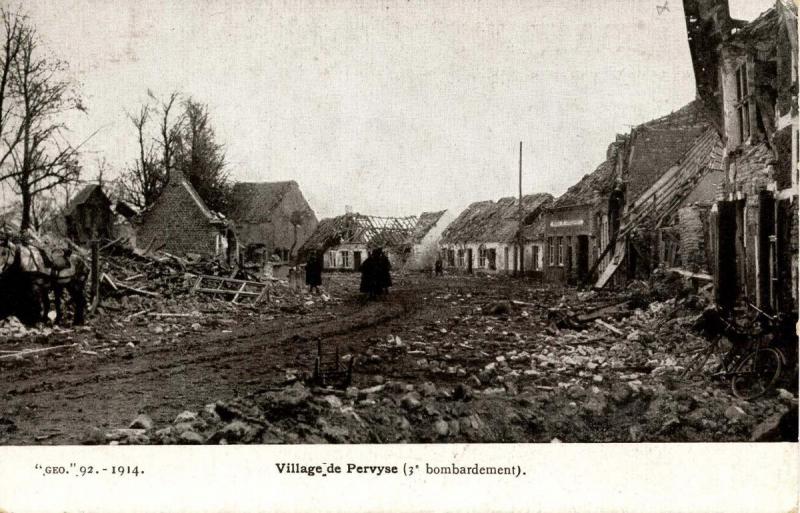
x=147, y=300
x=399, y=412
x=501, y=371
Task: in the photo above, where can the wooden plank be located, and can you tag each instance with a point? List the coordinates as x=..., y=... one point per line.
x=227, y=291
x=231, y=280
x=138, y=291
x=241, y=289
x=26, y=352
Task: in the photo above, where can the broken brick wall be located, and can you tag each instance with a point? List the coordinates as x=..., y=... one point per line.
x=177, y=223
x=694, y=237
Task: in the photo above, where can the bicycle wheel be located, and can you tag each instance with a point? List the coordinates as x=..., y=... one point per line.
x=698, y=361
x=756, y=373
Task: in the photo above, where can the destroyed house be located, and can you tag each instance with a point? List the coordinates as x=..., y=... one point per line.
x=746, y=75
x=485, y=237
x=179, y=222
x=272, y=220
x=345, y=241
x=572, y=223
x=88, y=215
x=668, y=173
x=424, y=239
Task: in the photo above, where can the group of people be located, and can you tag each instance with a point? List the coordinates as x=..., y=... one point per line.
x=376, y=276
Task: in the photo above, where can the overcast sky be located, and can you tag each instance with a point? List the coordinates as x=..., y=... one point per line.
x=393, y=108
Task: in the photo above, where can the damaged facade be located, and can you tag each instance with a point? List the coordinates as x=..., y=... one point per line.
x=345, y=241
x=746, y=76
x=425, y=238
x=668, y=173
x=272, y=220
x=575, y=222
x=179, y=222
x=89, y=216
x=485, y=236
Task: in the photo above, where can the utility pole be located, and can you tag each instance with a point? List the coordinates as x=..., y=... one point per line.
x=519, y=220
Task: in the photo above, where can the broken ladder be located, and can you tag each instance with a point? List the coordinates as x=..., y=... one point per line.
x=239, y=289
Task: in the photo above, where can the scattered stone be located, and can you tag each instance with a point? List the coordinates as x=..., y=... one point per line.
x=142, y=421
x=596, y=403
x=289, y=397
x=428, y=389
x=332, y=401
x=735, y=413
x=95, y=436
x=620, y=393
x=189, y=437
x=786, y=396
x=441, y=427
x=186, y=416
x=411, y=401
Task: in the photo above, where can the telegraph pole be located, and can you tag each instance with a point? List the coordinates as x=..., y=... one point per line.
x=519, y=220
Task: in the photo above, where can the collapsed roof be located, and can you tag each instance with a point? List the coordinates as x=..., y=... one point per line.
x=660, y=144
x=489, y=221
x=426, y=222
x=83, y=196
x=253, y=202
x=589, y=188
x=372, y=231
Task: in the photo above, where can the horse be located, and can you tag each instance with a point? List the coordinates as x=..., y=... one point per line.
x=30, y=269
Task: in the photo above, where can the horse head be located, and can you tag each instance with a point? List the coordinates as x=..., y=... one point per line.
x=8, y=253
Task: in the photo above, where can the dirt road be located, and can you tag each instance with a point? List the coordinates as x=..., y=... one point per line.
x=432, y=341
x=56, y=399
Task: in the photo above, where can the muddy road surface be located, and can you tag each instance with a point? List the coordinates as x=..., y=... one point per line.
x=455, y=358
x=56, y=398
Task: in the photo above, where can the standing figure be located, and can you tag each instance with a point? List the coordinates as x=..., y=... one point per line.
x=384, y=273
x=369, y=268
x=313, y=272
x=437, y=268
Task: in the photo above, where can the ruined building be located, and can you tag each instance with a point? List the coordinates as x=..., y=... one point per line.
x=179, y=222
x=272, y=220
x=667, y=172
x=485, y=236
x=746, y=76
x=425, y=237
x=345, y=241
x=88, y=215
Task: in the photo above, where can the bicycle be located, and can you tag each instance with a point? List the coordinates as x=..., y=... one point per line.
x=756, y=358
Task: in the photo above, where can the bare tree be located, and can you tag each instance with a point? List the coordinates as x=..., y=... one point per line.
x=200, y=158
x=169, y=130
x=14, y=32
x=43, y=158
x=142, y=182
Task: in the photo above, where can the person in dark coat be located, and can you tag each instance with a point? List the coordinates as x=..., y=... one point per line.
x=313, y=272
x=438, y=267
x=384, y=273
x=369, y=269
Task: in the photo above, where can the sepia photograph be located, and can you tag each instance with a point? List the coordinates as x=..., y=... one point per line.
x=319, y=222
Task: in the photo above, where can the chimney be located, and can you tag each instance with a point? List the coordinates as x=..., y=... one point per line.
x=175, y=175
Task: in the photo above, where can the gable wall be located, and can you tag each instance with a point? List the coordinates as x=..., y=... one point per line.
x=177, y=222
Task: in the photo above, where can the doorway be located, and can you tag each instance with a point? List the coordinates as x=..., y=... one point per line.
x=582, y=258
x=726, y=278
